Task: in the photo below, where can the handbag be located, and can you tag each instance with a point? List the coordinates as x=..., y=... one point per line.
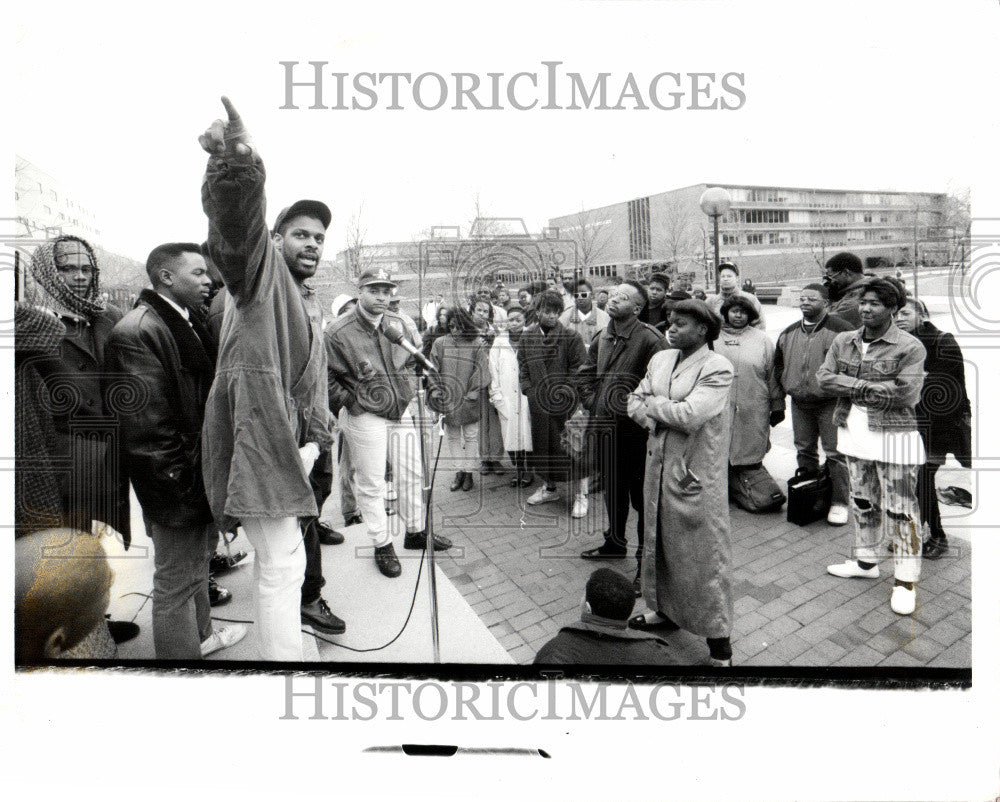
x=755, y=490
x=809, y=495
x=577, y=444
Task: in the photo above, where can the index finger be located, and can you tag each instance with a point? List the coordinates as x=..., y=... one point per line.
x=234, y=115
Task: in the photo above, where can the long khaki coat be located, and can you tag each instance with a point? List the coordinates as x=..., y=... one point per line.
x=686, y=566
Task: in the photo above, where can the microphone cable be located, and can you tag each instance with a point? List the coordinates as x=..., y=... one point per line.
x=420, y=570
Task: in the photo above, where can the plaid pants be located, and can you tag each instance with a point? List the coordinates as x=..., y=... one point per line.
x=885, y=510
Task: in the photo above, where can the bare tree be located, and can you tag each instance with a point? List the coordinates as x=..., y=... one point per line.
x=360, y=255
x=677, y=237
x=592, y=237
x=957, y=219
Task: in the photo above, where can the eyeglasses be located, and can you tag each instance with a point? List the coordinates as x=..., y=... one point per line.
x=583, y=294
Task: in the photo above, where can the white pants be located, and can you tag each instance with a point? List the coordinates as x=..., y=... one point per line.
x=463, y=446
x=279, y=568
x=370, y=439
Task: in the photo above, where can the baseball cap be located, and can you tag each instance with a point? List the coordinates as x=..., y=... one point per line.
x=373, y=276
x=313, y=208
x=340, y=302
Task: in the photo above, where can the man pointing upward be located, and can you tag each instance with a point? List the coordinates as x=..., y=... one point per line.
x=267, y=416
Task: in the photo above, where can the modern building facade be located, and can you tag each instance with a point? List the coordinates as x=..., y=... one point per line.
x=44, y=206
x=772, y=233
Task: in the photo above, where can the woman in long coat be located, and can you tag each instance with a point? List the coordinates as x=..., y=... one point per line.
x=506, y=396
x=491, y=445
x=684, y=404
x=755, y=394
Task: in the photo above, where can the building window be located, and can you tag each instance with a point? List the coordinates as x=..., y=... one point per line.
x=639, y=234
x=759, y=216
x=730, y=239
x=755, y=239
x=868, y=217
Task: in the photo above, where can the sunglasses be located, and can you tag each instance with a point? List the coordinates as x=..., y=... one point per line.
x=583, y=294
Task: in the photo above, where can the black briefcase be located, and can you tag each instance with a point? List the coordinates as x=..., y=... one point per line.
x=809, y=496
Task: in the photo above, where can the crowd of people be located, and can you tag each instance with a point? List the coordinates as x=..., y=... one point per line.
x=230, y=402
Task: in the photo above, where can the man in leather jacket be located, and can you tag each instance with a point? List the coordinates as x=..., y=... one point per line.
x=167, y=352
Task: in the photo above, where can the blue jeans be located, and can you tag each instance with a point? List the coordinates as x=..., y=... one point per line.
x=182, y=615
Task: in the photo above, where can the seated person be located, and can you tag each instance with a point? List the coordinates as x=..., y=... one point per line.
x=602, y=636
x=62, y=589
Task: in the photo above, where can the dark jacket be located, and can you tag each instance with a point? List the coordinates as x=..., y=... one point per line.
x=798, y=355
x=216, y=311
x=656, y=317
x=847, y=306
x=604, y=642
x=943, y=399
x=162, y=437
x=549, y=367
x=616, y=362
x=269, y=397
x=352, y=340
x=38, y=502
x=894, y=364
x=84, y=400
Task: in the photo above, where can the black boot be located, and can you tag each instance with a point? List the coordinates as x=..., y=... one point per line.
x=418, y=540
x=935, y=548
x=459, y=479
x=328, y=536
x=387, y=561
x=468, y=483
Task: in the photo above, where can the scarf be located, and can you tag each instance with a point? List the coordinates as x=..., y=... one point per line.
x=58, y=296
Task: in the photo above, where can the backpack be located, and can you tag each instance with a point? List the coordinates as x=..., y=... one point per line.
x=755, y=490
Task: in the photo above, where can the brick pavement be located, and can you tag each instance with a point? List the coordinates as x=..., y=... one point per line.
x=520, y=571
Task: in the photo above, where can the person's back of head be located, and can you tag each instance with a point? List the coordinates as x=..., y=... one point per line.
x=610, y=595
x=845, y=261
x=62, y=588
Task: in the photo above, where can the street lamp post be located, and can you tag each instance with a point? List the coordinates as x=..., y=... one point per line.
x=715, y=202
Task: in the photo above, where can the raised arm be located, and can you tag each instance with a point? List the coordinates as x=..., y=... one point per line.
x=232, y=195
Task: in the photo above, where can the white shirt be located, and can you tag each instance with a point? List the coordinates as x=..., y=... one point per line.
x=182, y=311
x=586, y=325
x=856, y=440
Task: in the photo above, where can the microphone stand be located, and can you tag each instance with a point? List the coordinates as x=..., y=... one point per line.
x=427, y=492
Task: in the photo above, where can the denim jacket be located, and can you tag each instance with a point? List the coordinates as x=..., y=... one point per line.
x=887, y=381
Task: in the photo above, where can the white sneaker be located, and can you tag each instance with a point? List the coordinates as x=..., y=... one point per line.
x=542, y=495
x=580, y=507
x=851, y=568
x=837, y=515
x=223, y=638
x=904, y=600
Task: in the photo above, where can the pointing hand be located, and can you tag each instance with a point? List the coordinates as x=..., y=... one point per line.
x=227, y=137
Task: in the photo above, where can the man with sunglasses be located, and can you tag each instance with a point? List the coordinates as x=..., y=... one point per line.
x=844, y=278
x=584, y=318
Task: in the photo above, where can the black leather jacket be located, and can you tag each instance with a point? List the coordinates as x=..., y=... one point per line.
x=172, y=369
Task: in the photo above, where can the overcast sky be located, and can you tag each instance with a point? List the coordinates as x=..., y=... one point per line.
x=110, y=100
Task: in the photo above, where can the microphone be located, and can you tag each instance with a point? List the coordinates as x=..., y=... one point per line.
x=394, y=334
